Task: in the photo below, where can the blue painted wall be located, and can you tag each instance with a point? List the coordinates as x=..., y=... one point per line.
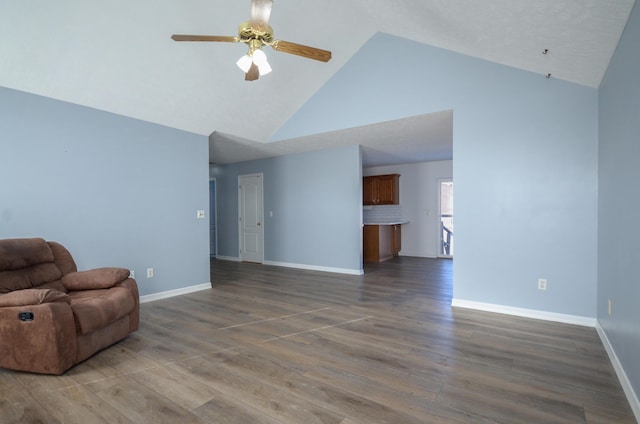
x=525, y=165
x=115, y=191
x=619, y=201
x=316, y=202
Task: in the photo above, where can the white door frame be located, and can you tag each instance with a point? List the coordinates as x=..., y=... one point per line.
x=260, y=224
x=440, y=254
x=213, y=214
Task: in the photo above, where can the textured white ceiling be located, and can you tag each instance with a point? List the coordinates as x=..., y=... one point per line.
x=117, y=55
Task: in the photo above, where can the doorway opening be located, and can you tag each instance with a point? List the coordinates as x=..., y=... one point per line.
x=445, y=199
x=213, y=237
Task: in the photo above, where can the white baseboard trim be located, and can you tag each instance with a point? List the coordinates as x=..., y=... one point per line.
x=300, y=266
x=631, y=395
x=316, y=268
x=228, y=258
x=526, y=313
x=417, y=255
x=172, y=293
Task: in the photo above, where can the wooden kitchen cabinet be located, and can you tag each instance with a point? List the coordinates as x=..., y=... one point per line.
x=369, y=191
x=381, y=242
x=381, y=190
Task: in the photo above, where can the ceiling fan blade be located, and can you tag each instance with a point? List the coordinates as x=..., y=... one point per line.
x=221, y=38
x=301, y=50
x=260, y=13
x=253, y=73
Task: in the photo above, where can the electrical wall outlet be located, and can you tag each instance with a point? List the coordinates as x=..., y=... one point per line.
x=132, y=273
x=200, y=214
x=149, y=272
x=542, y=283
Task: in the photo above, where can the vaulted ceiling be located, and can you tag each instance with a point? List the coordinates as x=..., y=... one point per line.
x=117, y=56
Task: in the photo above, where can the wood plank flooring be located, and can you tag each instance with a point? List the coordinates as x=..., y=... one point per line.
x=278, y=345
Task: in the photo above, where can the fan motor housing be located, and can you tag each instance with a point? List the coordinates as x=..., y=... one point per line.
x=249, y=31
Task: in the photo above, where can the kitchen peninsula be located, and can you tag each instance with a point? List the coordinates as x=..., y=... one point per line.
x=382, y=240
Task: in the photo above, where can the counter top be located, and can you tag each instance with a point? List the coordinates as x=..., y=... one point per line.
x=387, y=223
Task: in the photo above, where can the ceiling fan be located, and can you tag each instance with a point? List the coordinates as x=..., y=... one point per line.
x=257, y=33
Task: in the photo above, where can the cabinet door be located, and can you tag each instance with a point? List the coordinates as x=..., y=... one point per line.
x=371, y=242
x=396, y=240
x=369, y=191
x=388, y=189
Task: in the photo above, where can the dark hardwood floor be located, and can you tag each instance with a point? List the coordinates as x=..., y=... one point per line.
x=279, y=345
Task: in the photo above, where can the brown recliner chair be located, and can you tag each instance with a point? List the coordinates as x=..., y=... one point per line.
x=52, y=316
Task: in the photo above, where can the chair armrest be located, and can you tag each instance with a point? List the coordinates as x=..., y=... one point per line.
x=44, y=341
x=99, y=278
x=28, y=297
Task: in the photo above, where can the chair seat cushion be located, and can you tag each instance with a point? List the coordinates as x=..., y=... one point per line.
x=94, y=309
x=30, y=297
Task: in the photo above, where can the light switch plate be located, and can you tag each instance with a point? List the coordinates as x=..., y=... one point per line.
x=200, y=214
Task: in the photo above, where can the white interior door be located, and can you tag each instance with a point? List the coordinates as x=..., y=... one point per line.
x=250, y=219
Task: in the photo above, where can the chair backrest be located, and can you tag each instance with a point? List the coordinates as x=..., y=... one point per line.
x=33, y=263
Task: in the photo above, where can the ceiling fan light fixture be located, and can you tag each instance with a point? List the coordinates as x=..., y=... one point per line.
x=256, y=57
x=260, y=59
x=244, y=63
